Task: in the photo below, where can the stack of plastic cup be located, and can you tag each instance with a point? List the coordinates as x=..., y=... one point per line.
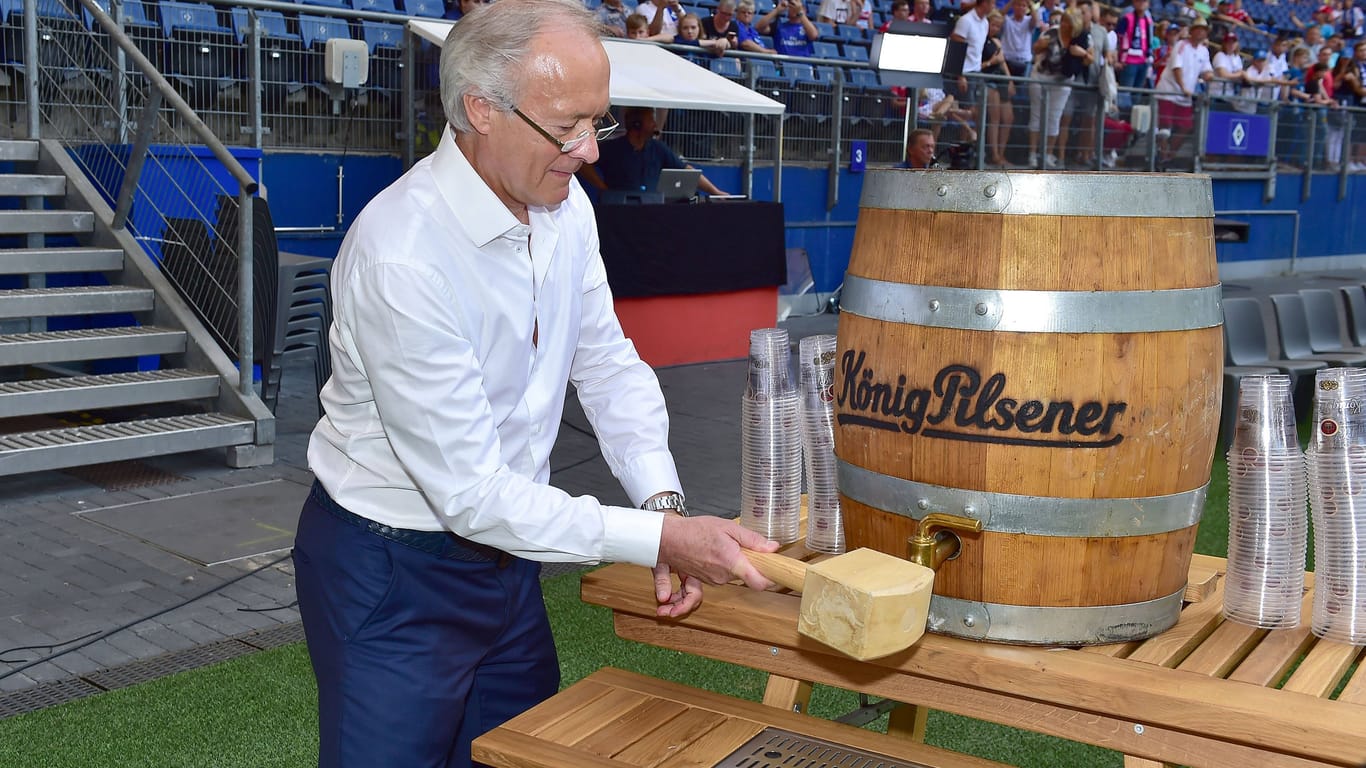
x=770, y=440
x=824, y=525
x=1267, y=517
x=1337, y=480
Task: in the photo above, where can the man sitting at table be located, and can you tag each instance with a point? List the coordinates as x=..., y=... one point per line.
x=632, y=162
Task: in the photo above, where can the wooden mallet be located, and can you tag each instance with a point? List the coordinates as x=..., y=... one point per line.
x=864, y=603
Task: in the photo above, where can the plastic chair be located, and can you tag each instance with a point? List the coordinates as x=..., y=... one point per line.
x=825, y=50
x=1355, y=298
x=1246, y=344
x=855, y=52
x=727, y=67
x=385, y=42
x=283, y=67
x=374, y=6
x=199, y=50
x=427, y=9
x=1325, y=330
x=1293, y=324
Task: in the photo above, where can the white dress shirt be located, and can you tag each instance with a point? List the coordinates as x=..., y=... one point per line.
x=441, y=411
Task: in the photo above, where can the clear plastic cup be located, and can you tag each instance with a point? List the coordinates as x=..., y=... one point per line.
x=771, y=465
x=1339, y=416
x=1268, y=509
x=1337, y=494
x=770, y=363
x=816, y=365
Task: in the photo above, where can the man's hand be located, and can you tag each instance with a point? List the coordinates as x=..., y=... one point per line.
x=703, y=549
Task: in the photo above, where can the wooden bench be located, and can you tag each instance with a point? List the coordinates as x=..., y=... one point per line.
x=614, y=719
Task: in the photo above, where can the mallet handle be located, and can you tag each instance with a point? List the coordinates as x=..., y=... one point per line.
x=786, y=571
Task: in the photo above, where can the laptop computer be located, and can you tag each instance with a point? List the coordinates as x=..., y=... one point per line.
x=678, y=183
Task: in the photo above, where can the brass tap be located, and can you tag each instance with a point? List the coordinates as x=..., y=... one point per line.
x=937, y=541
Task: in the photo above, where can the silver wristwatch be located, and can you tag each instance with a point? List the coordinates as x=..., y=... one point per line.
x=668, y=502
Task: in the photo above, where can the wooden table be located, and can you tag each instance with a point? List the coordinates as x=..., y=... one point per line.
x=1204, y=693
x=616, y=719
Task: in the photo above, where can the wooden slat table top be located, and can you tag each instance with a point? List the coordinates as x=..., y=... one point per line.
x=644, y=722
x=1206, y=692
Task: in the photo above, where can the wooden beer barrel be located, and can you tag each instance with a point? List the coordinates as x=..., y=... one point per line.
x=1043, y=352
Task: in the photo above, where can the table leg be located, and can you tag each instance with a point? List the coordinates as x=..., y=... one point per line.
x=908, y=721
x=789, y=694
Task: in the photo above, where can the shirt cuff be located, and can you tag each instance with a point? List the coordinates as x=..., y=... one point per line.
x=648, y=474
x=631, y=535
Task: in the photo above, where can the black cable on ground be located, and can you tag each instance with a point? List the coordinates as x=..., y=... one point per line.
x=96, y=637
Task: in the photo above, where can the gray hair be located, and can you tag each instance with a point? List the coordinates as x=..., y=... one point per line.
x=726, y=5
x=745, y=5
x=484, y=53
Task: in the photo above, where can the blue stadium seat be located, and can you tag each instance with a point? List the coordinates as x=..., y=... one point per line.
x=827, y=31
x=852, y=33
x=729, y=68
x=325, y=3
x=385, y=42
x=284, y=68
x=428, y=9
x=855, y=52
x=54, y=17
x=139, y=26
x=375, y=6
x=201, y=54
x=823, y=49
x=316, y=31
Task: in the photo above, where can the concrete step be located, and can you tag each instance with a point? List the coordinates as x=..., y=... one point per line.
x=31, y=185
x=89, y=344
x=80, y=300
x=25, y=261
x=118, y=441
x=23, y=222
x=19, y=150
x=113, y=390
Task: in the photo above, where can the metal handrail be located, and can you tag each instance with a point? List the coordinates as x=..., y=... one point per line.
x=247, y=186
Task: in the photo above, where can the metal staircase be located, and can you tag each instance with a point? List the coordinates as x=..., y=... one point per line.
x=56, y=409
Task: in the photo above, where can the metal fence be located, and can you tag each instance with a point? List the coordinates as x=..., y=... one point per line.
x=171, y=183
x=255, y=72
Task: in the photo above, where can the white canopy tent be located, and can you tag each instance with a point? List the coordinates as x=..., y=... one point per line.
x=646, y=75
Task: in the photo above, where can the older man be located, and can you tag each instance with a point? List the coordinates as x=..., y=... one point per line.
x=920, y=148
x=467, y=294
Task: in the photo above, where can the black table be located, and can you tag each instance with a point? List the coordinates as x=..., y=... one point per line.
x=680, y=249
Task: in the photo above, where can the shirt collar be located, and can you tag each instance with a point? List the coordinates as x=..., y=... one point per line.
x=480, y=213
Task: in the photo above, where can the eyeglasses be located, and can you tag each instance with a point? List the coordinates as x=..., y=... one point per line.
x=602, y=128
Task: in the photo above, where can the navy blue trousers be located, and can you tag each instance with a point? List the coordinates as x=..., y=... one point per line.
x=419, y=644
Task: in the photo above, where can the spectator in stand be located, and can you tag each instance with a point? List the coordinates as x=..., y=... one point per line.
x=840, y=11
x=1085, y=100
x=612, y=15
x=792, y=31
x=1189, y=13
x=1359, y=118
x=1168, y=34
x=971, y=29
x=1188, y=65
x=920, y=146
x=901, y=11
x=1046, y=14
x=1313, y=40
x=1348, y=92
x=690, y=33
x=1290, y=129
x=1322, y=19
x=747, y=35
x=720, y=25
x=1228, y=70
x=1048, y=94
x=638, y=28
x=1278, y=63
x=922, y=11
x=663, y=16
x=632, y=162
x=1261, y=83
x=1078, y=55
x=1137, y=45
x=1352, y=21
x=937, y=108
x=1000, y=113
x=1239, y=14
x=1017, y=37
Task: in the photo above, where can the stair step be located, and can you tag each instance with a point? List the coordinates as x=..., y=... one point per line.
x=24, y=222
x=24, y=261
x=77, y=300
x=19, y=150
x=76, y=446
x=89, y=344
x=113, y=390
x=31, y=184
